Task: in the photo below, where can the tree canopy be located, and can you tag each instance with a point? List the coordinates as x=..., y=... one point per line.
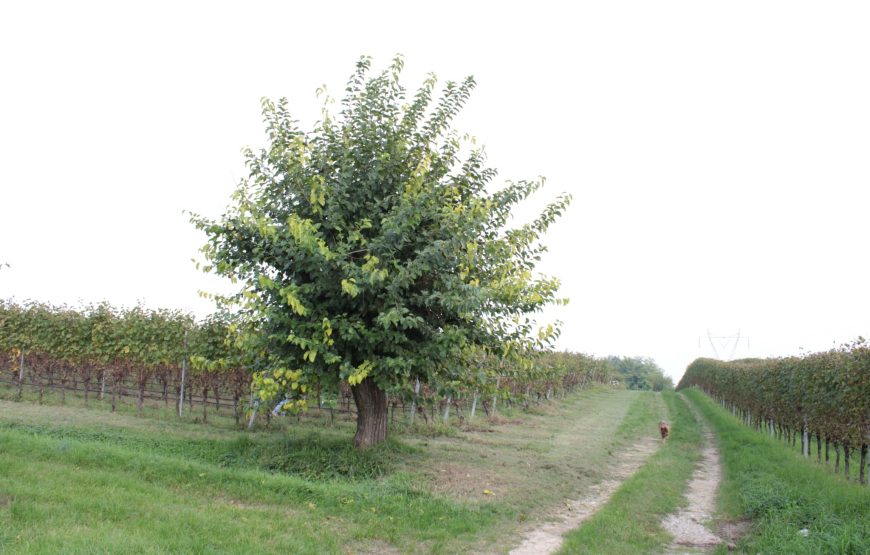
x=640, y=373
x=370, y=249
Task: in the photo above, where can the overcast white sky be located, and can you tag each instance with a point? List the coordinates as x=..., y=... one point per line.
x=717, y=152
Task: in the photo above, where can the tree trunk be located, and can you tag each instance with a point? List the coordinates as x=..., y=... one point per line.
x=371, y=416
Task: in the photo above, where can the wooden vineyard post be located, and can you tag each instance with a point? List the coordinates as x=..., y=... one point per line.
x=414, y=400
x=495, y=395
x=256, y=407
x=446, y=417
x=473, y=405
x=847, y=457
x=181, y=392
x=20, y=377
x=862, y=478
x=805, y=440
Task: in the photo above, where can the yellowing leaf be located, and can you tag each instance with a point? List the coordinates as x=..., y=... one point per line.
x=362, y=372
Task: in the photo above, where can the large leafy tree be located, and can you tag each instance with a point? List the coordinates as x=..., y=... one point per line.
x=371, y=250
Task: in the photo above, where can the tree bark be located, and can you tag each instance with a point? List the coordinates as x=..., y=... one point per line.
x=371, y=417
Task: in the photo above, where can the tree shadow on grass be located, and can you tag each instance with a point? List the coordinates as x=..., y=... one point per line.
x=317, y=457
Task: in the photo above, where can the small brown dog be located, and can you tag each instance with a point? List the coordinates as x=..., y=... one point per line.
x=664, y=429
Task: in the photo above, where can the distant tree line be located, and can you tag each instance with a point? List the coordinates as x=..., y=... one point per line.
x=640, y=373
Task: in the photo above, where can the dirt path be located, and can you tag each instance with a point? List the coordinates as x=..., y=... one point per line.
x=687, y=525
x=547, y=538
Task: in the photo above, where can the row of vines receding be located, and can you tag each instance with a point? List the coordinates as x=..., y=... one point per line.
x=823, y=396
x=169, y=358
x=115, y=353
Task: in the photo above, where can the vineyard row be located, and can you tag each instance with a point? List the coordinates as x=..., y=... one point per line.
x=822, y=396
x=216, y=393
x=167, y=356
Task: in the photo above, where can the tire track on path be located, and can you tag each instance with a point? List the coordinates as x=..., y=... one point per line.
x=548, y=537
x=687, y=526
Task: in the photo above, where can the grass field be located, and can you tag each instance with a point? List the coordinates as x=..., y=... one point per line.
x=83, y=480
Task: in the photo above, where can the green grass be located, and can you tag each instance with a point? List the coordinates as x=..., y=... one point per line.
x=83, y=480
x=308, y=454
x=630, y=522
x=784, y=493
x=642, y=419
x=66, y=494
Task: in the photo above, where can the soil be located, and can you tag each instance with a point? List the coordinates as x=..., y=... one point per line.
x=547, y=538
x=691, y=534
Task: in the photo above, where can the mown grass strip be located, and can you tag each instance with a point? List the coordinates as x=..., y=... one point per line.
x=60, y=495
x=642, y=418
x=630, y=523
x=796, y=505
